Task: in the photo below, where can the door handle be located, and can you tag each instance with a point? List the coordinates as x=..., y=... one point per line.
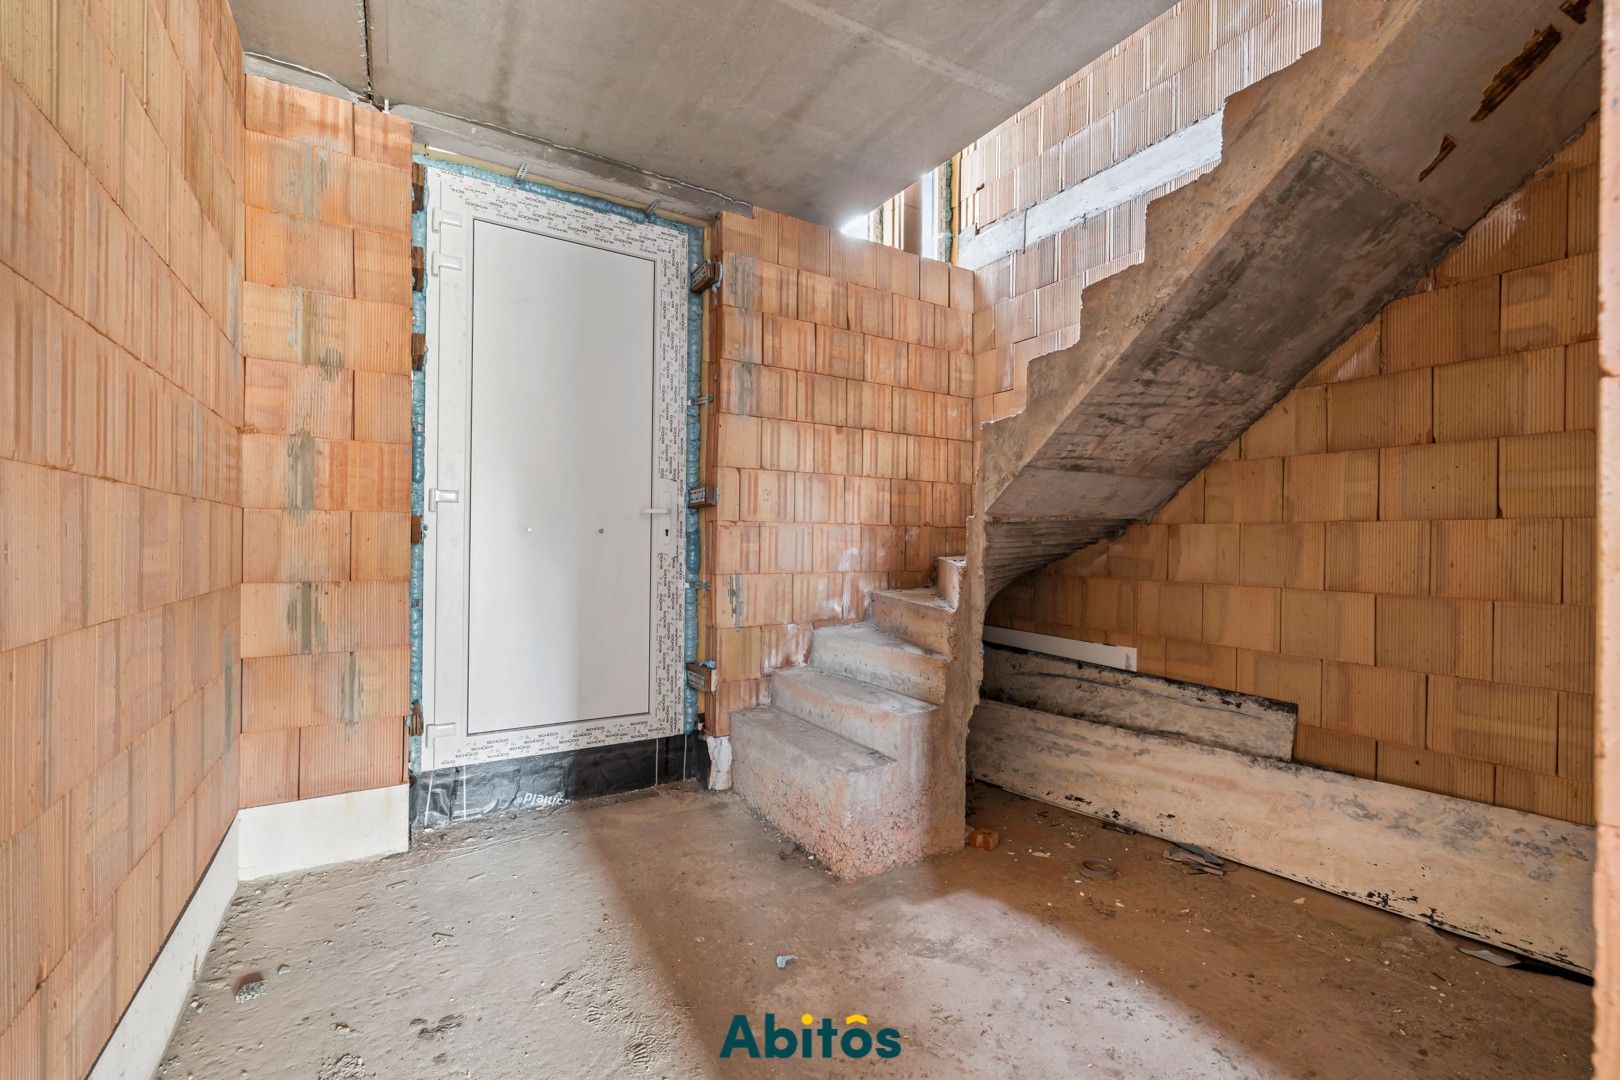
x=657, y=511
x=435, y=496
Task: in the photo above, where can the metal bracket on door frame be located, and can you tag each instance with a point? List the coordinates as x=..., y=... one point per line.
x=438, y=219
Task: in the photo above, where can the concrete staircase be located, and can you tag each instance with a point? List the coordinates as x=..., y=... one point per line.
x=1343, y=178
x=853, y=758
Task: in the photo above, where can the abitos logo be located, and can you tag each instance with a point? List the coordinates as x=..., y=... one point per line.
x=811, y=1040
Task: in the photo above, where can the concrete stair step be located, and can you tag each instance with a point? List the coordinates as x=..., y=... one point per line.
x=948, y=573
x=811, y=747
x=866, y=654
x=846, y=804
x=890, y=723
x=920, y=616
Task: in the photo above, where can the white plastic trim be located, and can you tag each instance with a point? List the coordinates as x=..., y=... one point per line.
x=284, y=838
x=138, y=1042
x=1091, y=652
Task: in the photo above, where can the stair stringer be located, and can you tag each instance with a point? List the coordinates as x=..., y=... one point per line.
x=1322, y=209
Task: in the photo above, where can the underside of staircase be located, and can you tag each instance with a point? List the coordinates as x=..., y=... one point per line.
x=1343, y=179
x=857, y=757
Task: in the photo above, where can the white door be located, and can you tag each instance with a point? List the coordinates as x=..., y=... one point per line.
x=554, y=521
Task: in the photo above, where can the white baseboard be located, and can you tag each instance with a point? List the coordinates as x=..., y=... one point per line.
x=263, y=841
x=284, y=838
x=136, y=1048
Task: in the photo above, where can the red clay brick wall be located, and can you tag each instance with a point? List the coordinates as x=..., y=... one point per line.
x=1404, y=545
x=841, y=439
x=326, y=457
x=120, y=527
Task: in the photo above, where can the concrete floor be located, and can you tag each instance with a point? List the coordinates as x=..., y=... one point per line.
x=618, y=939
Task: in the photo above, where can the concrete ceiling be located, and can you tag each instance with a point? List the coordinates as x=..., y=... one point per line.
x=818, y=108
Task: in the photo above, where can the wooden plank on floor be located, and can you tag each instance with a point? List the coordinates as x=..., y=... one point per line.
x=1517, y=880
x=1220, y=718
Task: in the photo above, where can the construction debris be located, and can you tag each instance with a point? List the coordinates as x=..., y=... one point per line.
x=1499, y=957
x=984, y=839
x=1195, y=859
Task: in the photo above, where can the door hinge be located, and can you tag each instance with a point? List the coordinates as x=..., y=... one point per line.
x=442, y=263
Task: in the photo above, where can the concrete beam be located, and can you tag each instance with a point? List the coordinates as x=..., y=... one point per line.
x=546, y=161
x=569, y=166
x=1193, y=149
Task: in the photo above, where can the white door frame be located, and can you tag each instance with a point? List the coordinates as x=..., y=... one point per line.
x=455, y=201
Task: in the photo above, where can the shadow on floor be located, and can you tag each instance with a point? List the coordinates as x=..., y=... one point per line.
x=619, y=938
x=1012, y=963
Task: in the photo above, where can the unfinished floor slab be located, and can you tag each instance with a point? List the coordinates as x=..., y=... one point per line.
x=619, y=938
